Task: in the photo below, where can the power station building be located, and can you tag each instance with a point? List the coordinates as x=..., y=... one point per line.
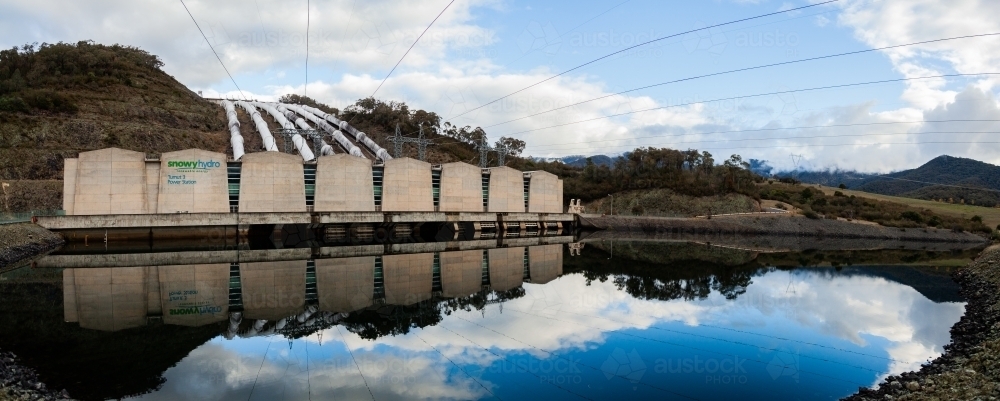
x=116, y=181
x=118, y=298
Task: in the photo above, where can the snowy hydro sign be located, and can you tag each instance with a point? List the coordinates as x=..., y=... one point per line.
x=182, y=168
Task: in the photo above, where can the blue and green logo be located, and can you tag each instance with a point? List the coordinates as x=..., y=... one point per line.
x=193, y=165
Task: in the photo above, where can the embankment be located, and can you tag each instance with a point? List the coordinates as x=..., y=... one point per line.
x=24, y=240
x=970, y=367
x=773, y=225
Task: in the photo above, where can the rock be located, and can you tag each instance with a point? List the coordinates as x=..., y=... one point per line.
x=895, y=385
x=913, y=386
x=928, y=382
x=970, y=371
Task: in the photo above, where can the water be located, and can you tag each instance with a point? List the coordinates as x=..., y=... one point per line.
x=651, y=321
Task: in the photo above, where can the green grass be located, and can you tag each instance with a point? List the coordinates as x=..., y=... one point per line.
x=991, y=216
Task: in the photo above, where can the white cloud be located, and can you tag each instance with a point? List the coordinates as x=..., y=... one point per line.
x=811, y=306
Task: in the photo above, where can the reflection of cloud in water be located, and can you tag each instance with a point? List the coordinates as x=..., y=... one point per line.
x=825, y=308
x=214, y=372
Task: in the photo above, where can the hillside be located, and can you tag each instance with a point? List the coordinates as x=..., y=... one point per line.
x=950, y=171
x=57, y=100
x=955, y=171
x=830, y=178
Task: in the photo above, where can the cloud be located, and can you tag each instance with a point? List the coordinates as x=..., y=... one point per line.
x=454, y=70
x=892, y=22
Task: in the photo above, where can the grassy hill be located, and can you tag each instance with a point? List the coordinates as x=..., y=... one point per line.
x=57, y=100
x=952, y=172
x=948, y=170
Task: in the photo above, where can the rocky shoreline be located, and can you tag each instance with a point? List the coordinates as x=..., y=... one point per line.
x=19, y=383
x=773, y=225
x=25, y=240
x=969, y=369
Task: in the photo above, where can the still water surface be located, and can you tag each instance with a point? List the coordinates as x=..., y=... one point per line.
x=707, y=324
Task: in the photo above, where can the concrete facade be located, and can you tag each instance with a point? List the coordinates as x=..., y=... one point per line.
x=345, y=285
x=461, y=188
x=194, y=295
x=69, y=185
x=272, y=182
x=114, y=181
x=544, y=193
x=107, y=299
x=406, y=186
x=152, y=185
x=461, y=273
x=408, y=278
x=110, y=181
x=344, y=184
x=506, y=268
x=545, y=263
x=506, y=191
x=191, y=181
x=273, y=290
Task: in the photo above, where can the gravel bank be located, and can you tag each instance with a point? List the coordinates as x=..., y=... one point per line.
x=19, y=383
x=773, y=225
x=970, y=367
x=24, y=240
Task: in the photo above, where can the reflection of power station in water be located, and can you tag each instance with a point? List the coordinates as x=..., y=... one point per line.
x=117, y=298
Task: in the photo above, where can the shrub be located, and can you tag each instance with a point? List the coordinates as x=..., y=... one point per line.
x=838, y=193
x=810, y=214
x=13, y=104
x=912, y=216
x=842, y=186
x=977, y=219
x=50, y=101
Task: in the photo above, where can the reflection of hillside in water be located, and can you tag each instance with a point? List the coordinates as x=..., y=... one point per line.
x=136, y=321
x=671, y=270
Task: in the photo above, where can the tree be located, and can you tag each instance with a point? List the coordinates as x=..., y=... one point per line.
x=842, y=186
x=513, y=146
x=292, y=98
x=466, y=134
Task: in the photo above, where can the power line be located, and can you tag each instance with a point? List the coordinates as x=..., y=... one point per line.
x=772, y=129
x=574, y=28
x=213, y=49
x=342, y=337
x=727, y=31
x=411, y=47
x=404, y=56
x=749, y=69
x=305, y=88
x=854, y=144
x=799, y=137
x=723, y=99
x=261, y=365
x=934, y=183
x=635, y=46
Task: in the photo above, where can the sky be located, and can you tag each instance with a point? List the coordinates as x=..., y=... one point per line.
x=480, y=51
x=839, y=334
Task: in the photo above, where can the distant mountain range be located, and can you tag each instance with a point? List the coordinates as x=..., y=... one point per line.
x=944, y=177
x=580, y=160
